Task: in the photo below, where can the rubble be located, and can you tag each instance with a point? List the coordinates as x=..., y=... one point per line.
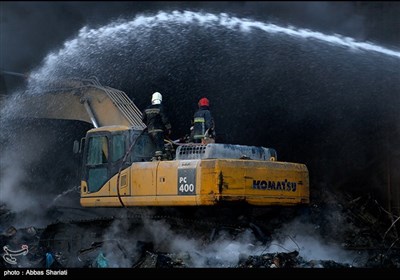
x=357, y=226
x=286, y=260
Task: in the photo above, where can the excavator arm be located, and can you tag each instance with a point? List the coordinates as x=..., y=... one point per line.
x=83, y=100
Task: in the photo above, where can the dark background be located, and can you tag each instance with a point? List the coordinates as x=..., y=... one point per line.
x=335, y=110
x=29, y=30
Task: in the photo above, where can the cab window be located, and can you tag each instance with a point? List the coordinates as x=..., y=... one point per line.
x=118, y=147
x=98, y=150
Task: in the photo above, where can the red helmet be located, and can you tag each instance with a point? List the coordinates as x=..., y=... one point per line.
x=204, y=102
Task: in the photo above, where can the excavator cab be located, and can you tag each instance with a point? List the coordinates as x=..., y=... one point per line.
x=111, y=149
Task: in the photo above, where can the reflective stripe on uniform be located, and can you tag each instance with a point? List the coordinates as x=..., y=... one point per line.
x=152, y=111
x=155, y=130
x=199, y=119
x=198, y=136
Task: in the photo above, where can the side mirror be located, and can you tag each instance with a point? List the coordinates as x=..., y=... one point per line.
x=75, y=148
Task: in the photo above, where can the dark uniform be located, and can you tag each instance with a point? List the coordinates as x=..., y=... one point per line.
x=157, y=124
x=202, y=121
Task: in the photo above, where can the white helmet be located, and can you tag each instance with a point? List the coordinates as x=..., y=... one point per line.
x=156, y=98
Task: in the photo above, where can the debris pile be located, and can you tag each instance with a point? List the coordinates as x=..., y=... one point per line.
x=364, y=234
x=286, y=260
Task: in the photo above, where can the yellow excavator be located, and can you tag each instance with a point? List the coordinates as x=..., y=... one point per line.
x=118, y=168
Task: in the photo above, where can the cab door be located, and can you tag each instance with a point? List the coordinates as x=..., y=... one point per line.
x=119, y=162
x=97, y=162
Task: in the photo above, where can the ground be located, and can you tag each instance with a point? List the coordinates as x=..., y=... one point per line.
x=338, y=231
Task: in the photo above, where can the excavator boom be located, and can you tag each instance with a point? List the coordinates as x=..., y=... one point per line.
x=83, y=100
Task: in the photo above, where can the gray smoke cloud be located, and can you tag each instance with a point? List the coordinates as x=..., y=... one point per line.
x=306, y=239
x=14, y=172
x=18, y=189
x=222, y=252
x=28, y=187
x=226, y=249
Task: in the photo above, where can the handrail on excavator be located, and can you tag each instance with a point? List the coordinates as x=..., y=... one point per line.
x=81, y=99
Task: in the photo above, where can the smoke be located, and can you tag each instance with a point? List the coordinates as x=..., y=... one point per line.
x=18, y=166
x=36, y=170
x=222, y=252
x=14, y=173
x=224, y=249
x=306, y=239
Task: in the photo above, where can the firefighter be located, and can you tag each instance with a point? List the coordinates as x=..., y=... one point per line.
x=157, y=123
x=203, y=123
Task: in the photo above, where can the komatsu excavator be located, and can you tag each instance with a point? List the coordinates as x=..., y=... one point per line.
x=118, y=168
